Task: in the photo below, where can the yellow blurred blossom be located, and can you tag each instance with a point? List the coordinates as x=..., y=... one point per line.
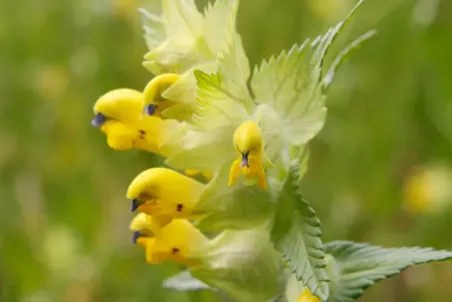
x=427, y=189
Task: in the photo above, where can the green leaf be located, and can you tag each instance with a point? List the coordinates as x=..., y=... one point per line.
x=182, y=21
x=154, y=30
x=183, y=39
x=291, y=85
x=200, y=150
x=234, y=66
x=356, y=266
x=340, y=58
x=185, y=89
x=215, y=105
x=219, y=22
x=233, y=62
x=175, y=39
x=239, y=206
x=285, y=84
x=243, y=264
x=324, y=43
x=176, y=58
x=184, y=281
x=296, y=234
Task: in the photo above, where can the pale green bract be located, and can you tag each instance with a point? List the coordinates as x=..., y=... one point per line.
x=235, y=207
x=183, y=40
x=227, y=262
x=183, y=37
x=184, y=281
x=266, y=244
x=243, y=264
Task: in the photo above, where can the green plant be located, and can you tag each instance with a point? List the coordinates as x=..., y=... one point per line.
x=253, y=237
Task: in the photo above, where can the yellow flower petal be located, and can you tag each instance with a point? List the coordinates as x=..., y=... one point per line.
x=148, y=225
x=181, y=240
x=119, y=114
x=234, y=172
x=153, y=256
x=249, y=146
x=164, y=192
x=153, y=93
x=178, y=241
x=122, y=104
x=306, y=296
x=119, y=136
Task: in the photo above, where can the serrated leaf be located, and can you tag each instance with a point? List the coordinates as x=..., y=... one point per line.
x=326, y=41
x=234, y=65
x=232, y=207
x=182, y=21
x=176, y=42
x=243, y=264
x=184, y=281
x=285, y=85
x=233, y=62
x=154, y=30
x=215, y=105
x=357, y=266
x=182, y=38
x=340, y=58
x=176, y=58
x=291, y=85
x=296, y=234
x=219, y=16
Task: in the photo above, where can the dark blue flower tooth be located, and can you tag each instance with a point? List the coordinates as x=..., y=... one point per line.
x=98, y=120
x=245, y=160
x=136, y=235
x=135, y=205
x=149, y=109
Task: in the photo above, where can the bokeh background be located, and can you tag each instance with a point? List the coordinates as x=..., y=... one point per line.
x=380, y=171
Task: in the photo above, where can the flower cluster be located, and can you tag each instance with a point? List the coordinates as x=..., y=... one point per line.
x=199, y=114
x=234, y=153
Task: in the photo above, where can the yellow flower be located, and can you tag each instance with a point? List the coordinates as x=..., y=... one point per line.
x=306, y=296
x=118, y=114
x=164, y=192
x=154, y=102
x=148, y=225
x=178, y=241
x=248, y=144
x=427, y=189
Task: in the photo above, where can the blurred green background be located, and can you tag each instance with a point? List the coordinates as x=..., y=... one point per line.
x=380, y=171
